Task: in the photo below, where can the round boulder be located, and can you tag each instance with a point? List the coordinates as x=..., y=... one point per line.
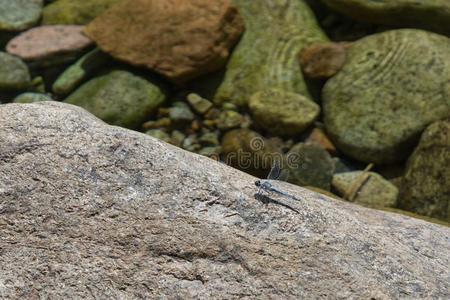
x=14, y=73
x=283, y=113
x=426, y=184
x=119, y=97
x=392, y=86
x=17, y=15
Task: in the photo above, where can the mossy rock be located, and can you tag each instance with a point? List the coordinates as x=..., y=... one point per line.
x=77, y=12
x=283, y=113
x=393, y=85
x=267, y=54
x=119, y=97
x=429, y=14
x=425, y=187
x=14, y=73
x=32, y=97
x=310, y=165
x=18, y=15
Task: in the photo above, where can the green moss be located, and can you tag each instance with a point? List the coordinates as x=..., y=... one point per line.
x=119, y=97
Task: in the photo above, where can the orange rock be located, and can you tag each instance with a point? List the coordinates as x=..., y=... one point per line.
x=323, y=60
x=180, y=39
x=319, y=137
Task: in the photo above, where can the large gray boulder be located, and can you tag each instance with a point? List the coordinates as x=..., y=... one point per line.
x=89, y=210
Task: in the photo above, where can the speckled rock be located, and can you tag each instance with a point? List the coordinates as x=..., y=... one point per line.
x=366, y=188
x=159, y=134
x=17, y=15
x=229, y=119
x=248, y=151
x=198, y=35
x=199, y=104
x=14, y=73
x=32, y=97
x=181, y=113
x=432, y=15
x=74, y=12
x=267, y=54
x=323, y=60
x=46, y=42
x=393, y=85
x=119, y=97
x=310, y=165
x=426, y=183
x=283, y=113
x=92, y=211
x=80, y=71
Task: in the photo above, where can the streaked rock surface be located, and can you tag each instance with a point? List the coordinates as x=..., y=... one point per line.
x=95, y=211
x=393, y=85
x=267, y=54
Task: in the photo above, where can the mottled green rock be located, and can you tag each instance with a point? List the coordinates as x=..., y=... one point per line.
x=374, y=191
x=211, y=152
x=79, y=71
x=181, y=113
x=426, y=183
x=427, y=14
x=283, y=113
x=32, y=97
x=14, y=73
x=310, y=165
x=267, y=54
x=199, y=104
x=392, y=86
x=77, y=12
x=210, y=138
x=229, y=119
x=119, y=97
x=248, y=151
x=17, y=15
x=159, y=134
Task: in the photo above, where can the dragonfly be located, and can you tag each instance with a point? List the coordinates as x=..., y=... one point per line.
x=275, y=174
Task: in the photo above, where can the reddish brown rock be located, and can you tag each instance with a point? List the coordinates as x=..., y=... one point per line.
x=323, y=60
x=318, y=137
x=180, y=39
x=45, y=42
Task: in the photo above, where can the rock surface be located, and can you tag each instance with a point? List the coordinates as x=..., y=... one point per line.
x=283, y=113
x=432, y=15
x=14, y=73
x=367, y=188
x=323, y=60
x=186, y=38
x=93, y=211
x=46, y=42
x=75, y=12
x=267, y=54
x=17, y=15
x=119, y=97
x=425, y=187
x=80, y=71
x=392, y=86
x=32, y=97
x=310, y=165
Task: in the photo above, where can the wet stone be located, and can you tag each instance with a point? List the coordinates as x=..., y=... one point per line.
x=119, y=97
x=392, y=86
x=18, y=15
x=14, y=73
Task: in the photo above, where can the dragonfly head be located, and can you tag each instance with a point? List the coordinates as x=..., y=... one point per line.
x=258, y=183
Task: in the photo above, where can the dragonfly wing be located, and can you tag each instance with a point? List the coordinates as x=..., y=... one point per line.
x=275, y=170
x=284, y=175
